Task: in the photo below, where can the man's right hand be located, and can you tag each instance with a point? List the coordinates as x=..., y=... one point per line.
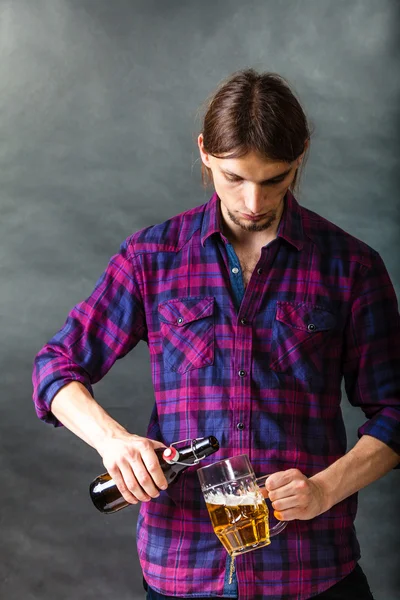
x=134, y=466
x=130, y=459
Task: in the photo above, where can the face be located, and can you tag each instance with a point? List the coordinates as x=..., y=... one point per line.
x=251, y=189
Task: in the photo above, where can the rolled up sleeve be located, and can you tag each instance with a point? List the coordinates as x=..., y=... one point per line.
x=97, y=332
x=371, y=365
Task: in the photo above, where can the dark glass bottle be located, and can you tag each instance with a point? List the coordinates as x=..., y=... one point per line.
x=108, y=499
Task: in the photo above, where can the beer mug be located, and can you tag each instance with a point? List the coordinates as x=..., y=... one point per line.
x=238, y=511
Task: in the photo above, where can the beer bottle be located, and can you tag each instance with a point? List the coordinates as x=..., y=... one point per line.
x=108, y=499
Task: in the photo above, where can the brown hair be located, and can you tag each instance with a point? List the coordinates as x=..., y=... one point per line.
x=255, y=112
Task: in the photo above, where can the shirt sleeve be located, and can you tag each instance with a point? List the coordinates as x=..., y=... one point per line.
x=97, y=332
x=371, y=365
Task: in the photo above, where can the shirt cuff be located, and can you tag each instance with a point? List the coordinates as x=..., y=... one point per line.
x=43, y=410
x=385, y=426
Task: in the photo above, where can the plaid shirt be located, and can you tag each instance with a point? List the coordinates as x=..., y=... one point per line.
x=263, y=377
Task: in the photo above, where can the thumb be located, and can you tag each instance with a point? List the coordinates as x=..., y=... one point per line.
x=157, y=444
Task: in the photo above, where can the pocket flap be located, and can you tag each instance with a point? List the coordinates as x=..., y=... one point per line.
x=181, y=311
x=306, y=317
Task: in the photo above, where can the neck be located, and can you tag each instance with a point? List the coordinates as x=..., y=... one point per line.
x=251, y=240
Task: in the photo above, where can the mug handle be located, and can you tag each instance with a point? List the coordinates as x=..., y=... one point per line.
x=281, y=524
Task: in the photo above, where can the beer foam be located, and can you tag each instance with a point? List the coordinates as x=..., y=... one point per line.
x=249, y=499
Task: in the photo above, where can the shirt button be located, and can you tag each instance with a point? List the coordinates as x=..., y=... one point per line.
x=235, y=270
x=180, y=320
x=243, y=321
x=242, y=373
x=311, y=327
x=240, y=426
x=259, y=271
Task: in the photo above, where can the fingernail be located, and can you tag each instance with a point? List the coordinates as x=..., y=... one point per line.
x=277, y=515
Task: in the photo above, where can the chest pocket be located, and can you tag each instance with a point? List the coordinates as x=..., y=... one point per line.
x=187, y=328
x=300, y=334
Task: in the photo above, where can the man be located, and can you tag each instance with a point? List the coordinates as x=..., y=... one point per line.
x=254, y=309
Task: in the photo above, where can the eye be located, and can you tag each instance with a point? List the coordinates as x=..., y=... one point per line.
x=233, y=179
x=274, y=182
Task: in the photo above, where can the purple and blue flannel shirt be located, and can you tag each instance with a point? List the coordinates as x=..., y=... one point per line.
x=262, y=374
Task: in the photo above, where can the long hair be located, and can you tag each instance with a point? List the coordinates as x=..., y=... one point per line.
x=258, y=112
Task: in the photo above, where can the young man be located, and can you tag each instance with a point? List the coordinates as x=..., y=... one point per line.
x=254, y=309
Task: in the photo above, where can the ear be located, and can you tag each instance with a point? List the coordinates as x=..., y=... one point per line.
x=300, y=158
x=203, y=154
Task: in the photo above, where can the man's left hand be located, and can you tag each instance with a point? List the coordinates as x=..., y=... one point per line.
x=295, y=496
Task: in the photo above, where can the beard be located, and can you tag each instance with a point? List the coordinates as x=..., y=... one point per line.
x=270, y=219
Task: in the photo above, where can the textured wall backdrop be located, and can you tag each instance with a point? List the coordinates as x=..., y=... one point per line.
x=98, y=105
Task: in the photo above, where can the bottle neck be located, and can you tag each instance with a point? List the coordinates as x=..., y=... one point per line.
x=198, y=449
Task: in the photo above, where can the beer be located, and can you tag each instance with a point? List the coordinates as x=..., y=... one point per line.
x=108, y=499
x=238, y=512
x=240, y=522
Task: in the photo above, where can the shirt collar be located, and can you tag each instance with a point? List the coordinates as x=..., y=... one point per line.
x=212, y=222
x=290, y=226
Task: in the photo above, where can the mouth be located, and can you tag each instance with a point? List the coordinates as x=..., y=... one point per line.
x=252, y=217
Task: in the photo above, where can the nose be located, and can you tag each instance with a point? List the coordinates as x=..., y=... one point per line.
x=254, y=196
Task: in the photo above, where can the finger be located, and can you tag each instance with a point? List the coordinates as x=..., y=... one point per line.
x=157, y=444
x=286, y=491
x=291, y=514
x=286, y=503
x=132, y=483
x=144, y=479
x=278, y=515
x=281, y=478
x=153, y=468
x=121, y=485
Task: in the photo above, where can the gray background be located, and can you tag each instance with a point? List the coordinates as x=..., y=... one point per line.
x=98, y=119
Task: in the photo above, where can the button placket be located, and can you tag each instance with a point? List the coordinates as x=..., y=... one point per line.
x=243, y=353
